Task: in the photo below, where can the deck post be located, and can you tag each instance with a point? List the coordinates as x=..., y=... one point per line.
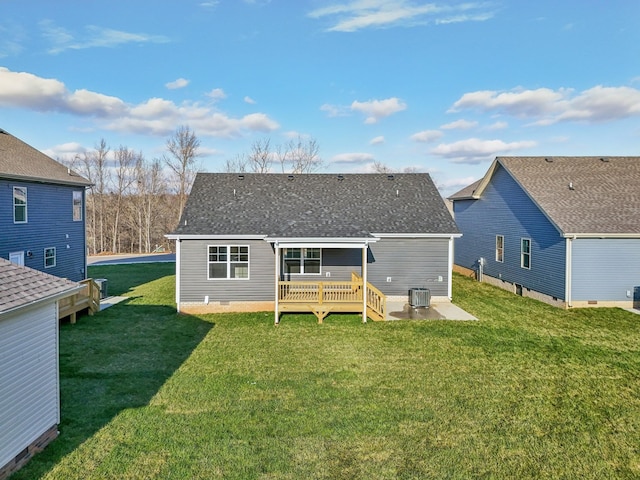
x=364, y=283
x=277, y=270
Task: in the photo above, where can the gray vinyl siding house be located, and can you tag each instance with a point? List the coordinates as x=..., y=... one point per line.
x=399, y=223
x=42, y=211
x=565, y=230
x=29, y=376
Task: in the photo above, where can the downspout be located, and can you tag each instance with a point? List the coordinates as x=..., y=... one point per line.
x=364, y=283
x=178, y=242
x=450, y=269
x=277, y=279
x=568, y=271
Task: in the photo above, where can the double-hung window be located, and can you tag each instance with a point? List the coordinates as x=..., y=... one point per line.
x=301, y=260
x=525, y=253
x=77, y=206
x=49, y=257
x=228, y=261
x=19, y=204
x=500, y=248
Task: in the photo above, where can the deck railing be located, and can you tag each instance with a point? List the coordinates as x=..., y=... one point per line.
x=342, y=295
x=87, y=298
x=320, y=292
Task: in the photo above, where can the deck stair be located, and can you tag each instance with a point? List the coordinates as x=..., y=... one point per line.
x=322, y=298
x=86, y=299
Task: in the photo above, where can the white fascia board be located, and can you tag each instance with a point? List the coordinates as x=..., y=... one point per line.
x=172, y=236
x=51, y=298
x=601, y=235
x=417, y=235
x=321, y=242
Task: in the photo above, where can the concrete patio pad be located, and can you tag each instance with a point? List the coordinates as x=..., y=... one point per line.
x=110, y=301
x=437, y=311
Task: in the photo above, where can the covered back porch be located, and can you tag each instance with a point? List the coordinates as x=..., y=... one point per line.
x=322, y=297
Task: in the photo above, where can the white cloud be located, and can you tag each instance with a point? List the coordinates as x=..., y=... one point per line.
x=350, y=16
x=93, y=36
x=427, y=136
x=353, y=158
x=498, y=126
x=155, y=116
x=375, y=110
x=66, y=151
x=456, y=182
x=459, y=125
x=217, y=94
x=546, y=106
x=249, y=100
x=178, y=83
x=334, y=110
x=377, y=140
x=474, y=150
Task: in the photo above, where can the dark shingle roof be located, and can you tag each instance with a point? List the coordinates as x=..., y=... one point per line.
x=314, y=205
x=580, y=195
x=21, y=286
x=23, y=162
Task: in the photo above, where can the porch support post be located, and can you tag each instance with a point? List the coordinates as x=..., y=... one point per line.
x=277, y=282
x=364, y=284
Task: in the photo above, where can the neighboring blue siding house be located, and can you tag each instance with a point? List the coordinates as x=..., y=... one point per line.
x=565, y=230
x=245, y=238
x=42, y=211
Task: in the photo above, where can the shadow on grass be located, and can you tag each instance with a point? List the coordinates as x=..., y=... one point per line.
x=136, y=274
x=116, y=360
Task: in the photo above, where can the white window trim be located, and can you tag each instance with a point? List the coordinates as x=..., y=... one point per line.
x=282, y=269
x=26, y=203
x=54, y=257
x=500, y=259
x=229, y=262
x=522, y=253
x=73, y=206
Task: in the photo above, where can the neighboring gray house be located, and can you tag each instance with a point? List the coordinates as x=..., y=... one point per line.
x=248, y=242
x=29, y=377
x=42, y=211
x=565, y=230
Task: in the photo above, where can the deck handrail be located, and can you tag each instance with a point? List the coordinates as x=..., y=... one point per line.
x=376, y=300
x=319, y=292
x=87, y=298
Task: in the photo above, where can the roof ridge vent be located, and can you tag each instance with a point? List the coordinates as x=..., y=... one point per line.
x=289, y=177
x=340, y=177
x=548, y=159
x=240, y=177
x=390, y=177
x=604, y=159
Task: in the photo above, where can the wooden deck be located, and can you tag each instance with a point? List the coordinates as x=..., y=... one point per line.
x=323, y=298
x=86, y=299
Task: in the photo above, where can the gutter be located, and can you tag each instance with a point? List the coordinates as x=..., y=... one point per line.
x=53, y=297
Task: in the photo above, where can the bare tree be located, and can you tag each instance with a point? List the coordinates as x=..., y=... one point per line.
x=300, y=156
x=237, y=165
x=260, y=158
x=379, y=167
x=183, y=150
x=125, y=162
x=94, y=167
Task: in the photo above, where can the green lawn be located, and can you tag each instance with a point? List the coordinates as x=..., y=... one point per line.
x=529, y=391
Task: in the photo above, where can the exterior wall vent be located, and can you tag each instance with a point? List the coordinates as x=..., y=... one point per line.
x=419, y=297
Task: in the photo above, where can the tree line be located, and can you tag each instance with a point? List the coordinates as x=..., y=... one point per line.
x=133, y=202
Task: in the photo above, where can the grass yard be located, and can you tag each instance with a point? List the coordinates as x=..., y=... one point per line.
x=529, y=391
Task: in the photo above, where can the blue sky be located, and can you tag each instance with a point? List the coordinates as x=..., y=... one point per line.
x=441, y=87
